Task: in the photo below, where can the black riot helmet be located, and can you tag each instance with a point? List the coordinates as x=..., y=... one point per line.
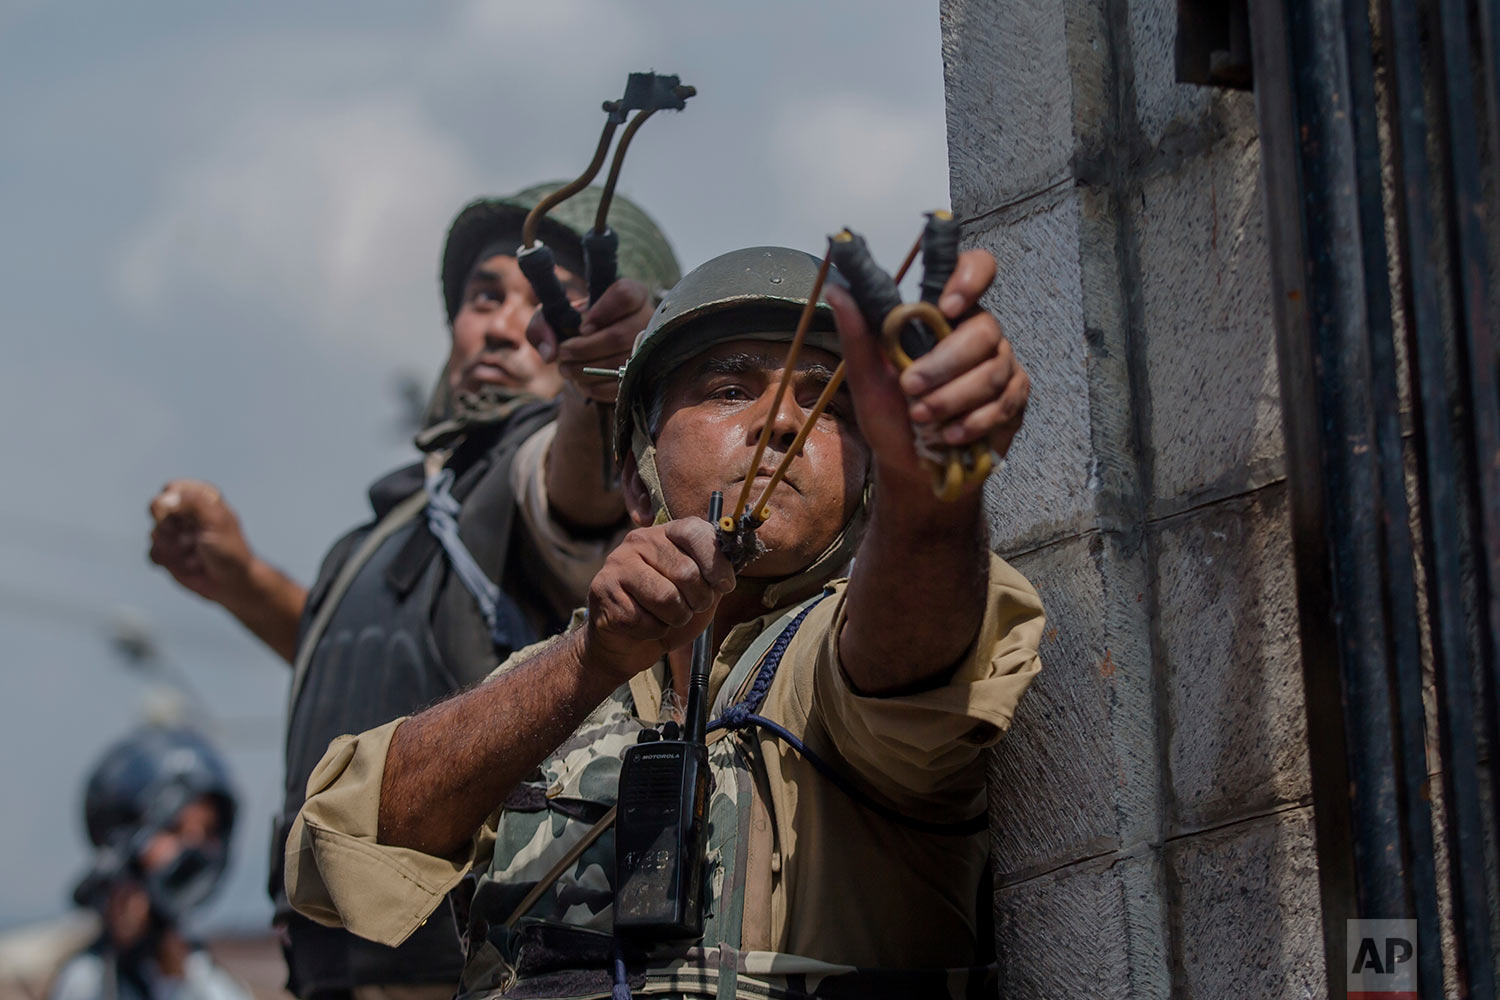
x=136, y=791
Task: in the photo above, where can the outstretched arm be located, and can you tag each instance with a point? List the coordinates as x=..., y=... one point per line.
x=916, y=596
x=196, y=536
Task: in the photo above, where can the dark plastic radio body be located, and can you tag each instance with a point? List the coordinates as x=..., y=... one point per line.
x=661, y=835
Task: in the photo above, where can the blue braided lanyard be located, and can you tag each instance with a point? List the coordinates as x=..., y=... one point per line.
x=745, y=713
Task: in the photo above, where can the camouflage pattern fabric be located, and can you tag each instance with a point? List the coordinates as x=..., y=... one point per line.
x=547, y=816
x=561, y=946
x=774, y=976
x=698, y=974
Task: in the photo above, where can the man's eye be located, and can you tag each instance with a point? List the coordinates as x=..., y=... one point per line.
x=729, y=392
x=839, y=408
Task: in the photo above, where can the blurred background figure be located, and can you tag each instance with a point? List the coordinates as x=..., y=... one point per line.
x=159, y=810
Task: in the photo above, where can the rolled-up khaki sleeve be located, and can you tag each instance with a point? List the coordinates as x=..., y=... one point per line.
x=569, y=562
x=920, y=749
x=336, y=872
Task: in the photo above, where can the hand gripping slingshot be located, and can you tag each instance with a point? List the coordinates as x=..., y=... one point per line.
x=645, y=94
x=907, y=330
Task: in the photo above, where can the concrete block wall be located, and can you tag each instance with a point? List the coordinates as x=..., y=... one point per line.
x=1150, y=812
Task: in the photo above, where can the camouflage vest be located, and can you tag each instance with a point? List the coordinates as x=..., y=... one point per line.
x=539, y=932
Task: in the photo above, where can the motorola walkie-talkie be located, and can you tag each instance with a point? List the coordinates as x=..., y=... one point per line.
x=661, y=829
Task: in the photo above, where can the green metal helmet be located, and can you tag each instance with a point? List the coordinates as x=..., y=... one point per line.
x=753, y=294
x=645, y=254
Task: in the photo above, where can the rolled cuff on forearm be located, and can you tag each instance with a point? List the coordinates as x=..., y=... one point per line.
x=568, y=560
x=921, y=748
x=338, y=874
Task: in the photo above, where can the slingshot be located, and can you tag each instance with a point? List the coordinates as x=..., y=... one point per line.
x=907, y=331
x=645, y=94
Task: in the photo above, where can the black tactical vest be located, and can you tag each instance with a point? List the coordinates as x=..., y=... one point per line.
x=405, y=635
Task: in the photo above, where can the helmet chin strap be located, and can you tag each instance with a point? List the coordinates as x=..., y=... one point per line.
x=645, y=463
x=827, y=566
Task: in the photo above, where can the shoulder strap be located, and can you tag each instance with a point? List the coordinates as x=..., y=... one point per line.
x=756, y=651
x=484, y=452
x=744, y=714
x=747, y=662
x=442, y=521
x=384, y=528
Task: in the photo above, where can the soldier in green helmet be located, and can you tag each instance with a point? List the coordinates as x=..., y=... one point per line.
x=478, y=550
x=846, y=834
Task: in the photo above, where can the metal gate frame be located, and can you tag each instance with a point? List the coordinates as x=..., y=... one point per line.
x=1319, y=109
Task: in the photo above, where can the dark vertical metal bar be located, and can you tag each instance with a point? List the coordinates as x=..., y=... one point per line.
x=1475, y=350
x=1399, y=567
x=1466, y=218
x=1475, y=396
x=1337, y=307
x=1333, y=822
x=1319, y=201
x=1489, y=23
x=1438, y=485
x=1489, y=33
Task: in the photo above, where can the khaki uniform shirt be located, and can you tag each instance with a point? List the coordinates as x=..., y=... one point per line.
x=827, y=879
x=562, y=565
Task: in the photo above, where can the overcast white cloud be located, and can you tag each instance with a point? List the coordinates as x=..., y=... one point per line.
x=847, y=159
x=86, y=398
x=327, y=212
x=530, y=34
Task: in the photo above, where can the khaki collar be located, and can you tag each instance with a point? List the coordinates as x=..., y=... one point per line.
x=647, y=686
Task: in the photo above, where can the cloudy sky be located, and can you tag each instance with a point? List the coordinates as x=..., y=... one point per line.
x=219, y=234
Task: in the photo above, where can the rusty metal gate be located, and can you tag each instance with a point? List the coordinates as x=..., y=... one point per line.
x=1378, y=125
